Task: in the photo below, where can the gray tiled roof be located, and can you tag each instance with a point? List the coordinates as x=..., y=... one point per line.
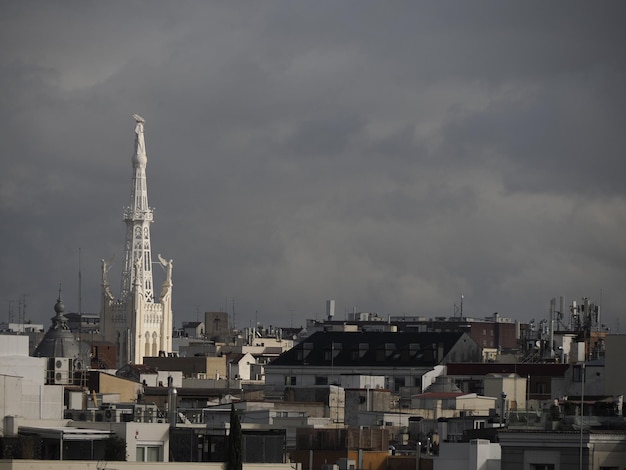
x=399, y=349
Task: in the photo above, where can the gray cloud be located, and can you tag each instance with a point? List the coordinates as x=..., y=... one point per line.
x=391, y=157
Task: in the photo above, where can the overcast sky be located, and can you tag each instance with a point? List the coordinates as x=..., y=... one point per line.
x=392, y=156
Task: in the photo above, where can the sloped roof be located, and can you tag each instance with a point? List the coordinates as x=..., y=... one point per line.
x=234, y=357
x=374, y=349
x=521, y=369
x=138, y=368
x=443, y=384
x=439, y=395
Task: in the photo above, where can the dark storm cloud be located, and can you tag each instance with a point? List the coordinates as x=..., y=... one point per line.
x=389, y=156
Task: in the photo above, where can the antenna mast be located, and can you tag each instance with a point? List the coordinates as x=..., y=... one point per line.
x=234, y=323
x=11, y=311
x=80, y=286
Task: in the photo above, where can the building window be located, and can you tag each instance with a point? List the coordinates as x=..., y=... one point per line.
x=398, y=382
x=577, y=374
x=541, y=466
x=320, y=380
x=290, y=380
x=148, y=453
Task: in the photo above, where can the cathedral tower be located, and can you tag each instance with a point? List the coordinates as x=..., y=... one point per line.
x=139, y=323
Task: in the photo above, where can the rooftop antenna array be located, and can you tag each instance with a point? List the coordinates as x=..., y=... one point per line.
x=21, y=313
x=10, y=316
x=21, y=310
x=459, y=308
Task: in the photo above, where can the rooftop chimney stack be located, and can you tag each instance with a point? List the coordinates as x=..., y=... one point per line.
x=330, y=309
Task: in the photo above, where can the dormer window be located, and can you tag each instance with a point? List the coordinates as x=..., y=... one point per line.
x=303, y=353
x=360, y=351
x=384, y=353
x=332, y=351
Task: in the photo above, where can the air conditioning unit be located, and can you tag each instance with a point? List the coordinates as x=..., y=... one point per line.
x=138, y=414
x=78, y=415
x=61, y=378
x=61, y=363
x=62, y=367
x=202, y=375
x=110, y=416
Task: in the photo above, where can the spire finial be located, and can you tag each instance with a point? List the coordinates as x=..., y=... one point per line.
x=59, y=308
x=139, y=158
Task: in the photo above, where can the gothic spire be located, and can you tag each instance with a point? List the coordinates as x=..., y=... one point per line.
x=138, y=217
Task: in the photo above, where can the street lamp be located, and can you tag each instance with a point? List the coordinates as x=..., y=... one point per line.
x=418, y=452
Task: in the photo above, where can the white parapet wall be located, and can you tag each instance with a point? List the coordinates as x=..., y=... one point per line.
x=99, y=465
x=13, y=345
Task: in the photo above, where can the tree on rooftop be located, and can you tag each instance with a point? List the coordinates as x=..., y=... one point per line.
x=234, y=442
x=115, y=449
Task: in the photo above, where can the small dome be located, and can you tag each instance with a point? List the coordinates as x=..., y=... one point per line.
x=58, y=340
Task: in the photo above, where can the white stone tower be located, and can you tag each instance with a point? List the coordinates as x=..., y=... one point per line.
x=139, y=324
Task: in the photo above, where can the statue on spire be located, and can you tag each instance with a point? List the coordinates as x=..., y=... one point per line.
x=140, y=144
x=106, y=266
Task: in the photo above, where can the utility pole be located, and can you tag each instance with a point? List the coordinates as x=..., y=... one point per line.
x=80, y=286
x=582, y=413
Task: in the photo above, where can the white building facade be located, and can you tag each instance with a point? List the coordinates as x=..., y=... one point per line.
x=24, y=396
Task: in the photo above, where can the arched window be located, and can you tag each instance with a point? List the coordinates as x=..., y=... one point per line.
x=155, y=345
x=147, y=345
